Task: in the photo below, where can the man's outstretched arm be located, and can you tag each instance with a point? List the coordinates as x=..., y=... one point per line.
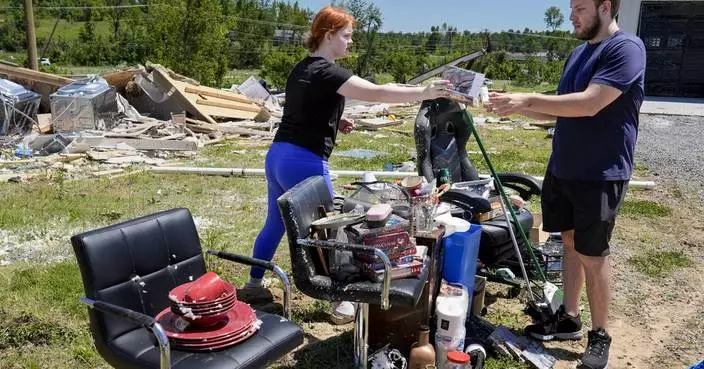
x=581, y=104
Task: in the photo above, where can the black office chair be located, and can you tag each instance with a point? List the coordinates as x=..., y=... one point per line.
x=300, y=206
x=441, y=135
x=128, y=270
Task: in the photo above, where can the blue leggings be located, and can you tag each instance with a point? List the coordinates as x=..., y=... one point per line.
x=286, y=165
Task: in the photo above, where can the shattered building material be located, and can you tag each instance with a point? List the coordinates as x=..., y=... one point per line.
x=204, y=127
x=42, y=83
x=373, y=124
x=83, y=144
x=86, y=104
x=18, y=108
x=205, y=107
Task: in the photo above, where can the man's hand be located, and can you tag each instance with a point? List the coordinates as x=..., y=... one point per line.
x=346, y=125
x=507, y=104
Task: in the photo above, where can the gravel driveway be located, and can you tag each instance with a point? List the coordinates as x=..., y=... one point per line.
x=673, y=147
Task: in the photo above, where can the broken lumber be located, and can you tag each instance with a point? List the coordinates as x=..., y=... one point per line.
x=203, y=127
x=212, y=92
x=192, y=101
x=163, y=79
x=83, y=144
x=376, y=123
x=44, y=84
x=228, y=105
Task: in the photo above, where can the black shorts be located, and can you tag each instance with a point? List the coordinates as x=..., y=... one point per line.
x=587, y=207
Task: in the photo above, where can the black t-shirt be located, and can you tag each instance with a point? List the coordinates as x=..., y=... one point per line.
x=313, y=107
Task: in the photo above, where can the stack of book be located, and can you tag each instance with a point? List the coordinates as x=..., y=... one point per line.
x=394, y=240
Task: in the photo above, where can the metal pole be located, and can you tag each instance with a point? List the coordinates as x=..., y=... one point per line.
x=31, y=35
x=646, y=185
x=51, y=35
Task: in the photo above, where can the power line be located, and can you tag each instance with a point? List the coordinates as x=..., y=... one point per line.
x=542, y=36
x=80, y=7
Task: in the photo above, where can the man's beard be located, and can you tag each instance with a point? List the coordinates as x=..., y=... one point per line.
x=591, y=31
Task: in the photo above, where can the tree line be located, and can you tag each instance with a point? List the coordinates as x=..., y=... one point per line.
x=204, y=39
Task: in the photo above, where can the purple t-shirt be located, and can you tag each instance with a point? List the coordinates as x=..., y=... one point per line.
x=600, y=148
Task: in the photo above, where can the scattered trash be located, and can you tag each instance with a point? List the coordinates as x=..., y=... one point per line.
x=359, y=154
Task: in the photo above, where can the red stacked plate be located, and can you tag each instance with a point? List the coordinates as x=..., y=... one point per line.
x=204, y=315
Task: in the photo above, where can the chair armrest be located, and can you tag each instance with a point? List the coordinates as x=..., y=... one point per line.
x=525, y=185
x=241, y=259
x=372, y=251
x=138, y=318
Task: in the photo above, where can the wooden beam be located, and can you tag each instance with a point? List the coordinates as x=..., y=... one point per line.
x=182, y=99
x=228, y=105
x=83, y=144
x=18, y=73
x=206, y=128
x=200, y=90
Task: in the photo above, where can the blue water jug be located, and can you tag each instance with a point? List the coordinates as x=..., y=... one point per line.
x=460, y=260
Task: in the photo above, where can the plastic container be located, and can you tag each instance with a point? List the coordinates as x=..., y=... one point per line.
x=378, y=214
x=451, y=310
x=445, y=345
x=457, y=360
x=460, y=259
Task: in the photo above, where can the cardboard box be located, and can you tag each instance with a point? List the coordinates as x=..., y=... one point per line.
x=537, y=235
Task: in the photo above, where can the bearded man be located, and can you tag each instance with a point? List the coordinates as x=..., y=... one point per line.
x=596, y=107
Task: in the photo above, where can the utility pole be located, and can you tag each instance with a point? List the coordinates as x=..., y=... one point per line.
x=31, y=35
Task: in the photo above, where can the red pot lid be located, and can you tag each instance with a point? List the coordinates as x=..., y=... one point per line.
x=237, y=320
x=458, y=357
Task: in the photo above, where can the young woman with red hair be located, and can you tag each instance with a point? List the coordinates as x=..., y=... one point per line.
x=315, y=99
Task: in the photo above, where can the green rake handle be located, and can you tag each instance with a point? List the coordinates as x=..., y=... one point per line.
x=504, y=198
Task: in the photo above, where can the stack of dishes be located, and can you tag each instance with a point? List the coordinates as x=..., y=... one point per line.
x=205, y=315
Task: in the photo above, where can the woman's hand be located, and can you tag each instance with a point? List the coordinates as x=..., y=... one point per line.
x=346, y=125
x=437, y=89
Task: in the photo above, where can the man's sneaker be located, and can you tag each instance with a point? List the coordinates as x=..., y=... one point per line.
x=560, y=326
x=597, y=354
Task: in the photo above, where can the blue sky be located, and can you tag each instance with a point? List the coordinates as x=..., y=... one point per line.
x=473, y=15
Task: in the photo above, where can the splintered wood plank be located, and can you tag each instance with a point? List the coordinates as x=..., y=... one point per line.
x=220, y=94
x=228, y=105
x=18, y=74
x=179, y=94
x=120, y=78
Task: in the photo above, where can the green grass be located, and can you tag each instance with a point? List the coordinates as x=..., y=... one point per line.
x=69, y=30
x=644, y=209
x=660, y=263
x=237, y=76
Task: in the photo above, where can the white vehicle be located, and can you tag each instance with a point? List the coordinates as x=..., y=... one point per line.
x=44, y=61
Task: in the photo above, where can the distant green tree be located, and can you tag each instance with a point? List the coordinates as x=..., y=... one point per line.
x=188, y=36
x=554, y=18
x=279, y=63
x=12, y=33
x=368, y=22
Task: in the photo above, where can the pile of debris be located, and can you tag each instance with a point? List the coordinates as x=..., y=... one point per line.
x=146, y=108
